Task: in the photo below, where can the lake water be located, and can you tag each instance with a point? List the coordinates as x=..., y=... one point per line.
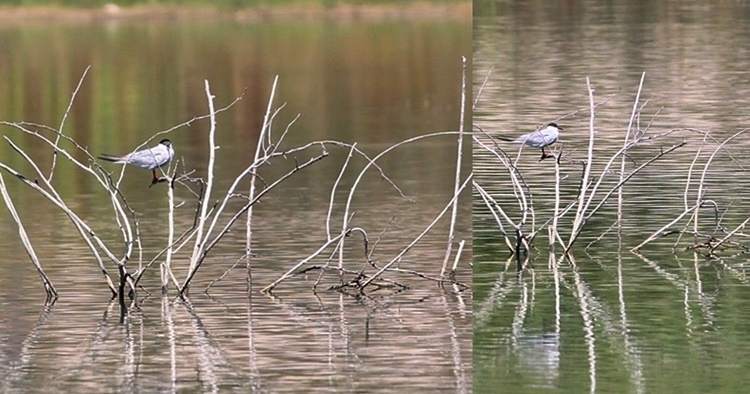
x=373, y=82
x=664, y=320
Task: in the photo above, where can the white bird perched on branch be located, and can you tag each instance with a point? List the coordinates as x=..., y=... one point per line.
x=541, y=138
x=148, y=159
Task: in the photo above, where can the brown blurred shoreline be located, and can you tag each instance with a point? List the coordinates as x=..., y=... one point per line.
x=111, y=12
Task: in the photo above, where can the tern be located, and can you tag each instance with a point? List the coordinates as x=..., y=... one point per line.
x=542, y=138
x=148, y=159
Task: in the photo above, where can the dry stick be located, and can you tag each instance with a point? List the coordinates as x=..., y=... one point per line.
x=340, y=246
x=325, y=266
x=176, y=246
x=121, y=217
x=108, y=185
x=264, y=129
x=491, y=204
x=418, y=238
x=62, y=122
x=481, y=88
x=605, y=170
x=224, y=275
x=49, y=288
x=377, y=240
x=729, y=235
x=617, y=187
x=199, y=242
x=262, y=193
x=578, y=221
x=340, y=236
x=363, y=154
x=553, y=233
x=684, y=229
x=520, y=188
x=624, y=145
x=288, y=273
x=55, y=198
x=519, y=184
x=687, y=189
x=103, y=179
x=83, y=228
x=690, y=170
x=699, y=194
x=519, y=191
x=350, y=197
x=241, y=212
x=251, y=170
x=366, y=242
x=333, y=190
x=274, y=147
x=167, y=265
x=454, y=210
x=661, y=230
x=458, y=254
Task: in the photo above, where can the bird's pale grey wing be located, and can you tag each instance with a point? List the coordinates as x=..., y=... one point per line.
x=157, y=156
x=548, y=137
x=534, y=139
x=551, y=137
x=162, y=155
x=524, y=139
x=143, y=159
x=541, y=138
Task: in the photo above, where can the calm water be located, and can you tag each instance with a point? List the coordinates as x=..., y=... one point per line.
x=374, y=83
x=614, y=321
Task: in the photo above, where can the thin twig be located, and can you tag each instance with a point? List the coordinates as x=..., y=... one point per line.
x=62, y=122
x=459, y=154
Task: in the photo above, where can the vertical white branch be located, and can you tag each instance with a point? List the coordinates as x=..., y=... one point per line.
x=333, y=192
x=553, y=233
x=578, y=221
x=340, y=246
x=167, y=267
x=258, y=150
x=456, y=184
x=624, y=146
x=199, y=241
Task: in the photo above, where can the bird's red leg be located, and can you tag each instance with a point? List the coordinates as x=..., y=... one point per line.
x=546, y=155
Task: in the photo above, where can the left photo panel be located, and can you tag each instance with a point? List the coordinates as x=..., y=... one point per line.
x=236, y=196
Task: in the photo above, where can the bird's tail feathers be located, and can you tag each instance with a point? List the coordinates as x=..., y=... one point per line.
x=109, y=157
x=501, y=138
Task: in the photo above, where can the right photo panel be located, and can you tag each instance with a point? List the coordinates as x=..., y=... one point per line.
x=611, y=206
